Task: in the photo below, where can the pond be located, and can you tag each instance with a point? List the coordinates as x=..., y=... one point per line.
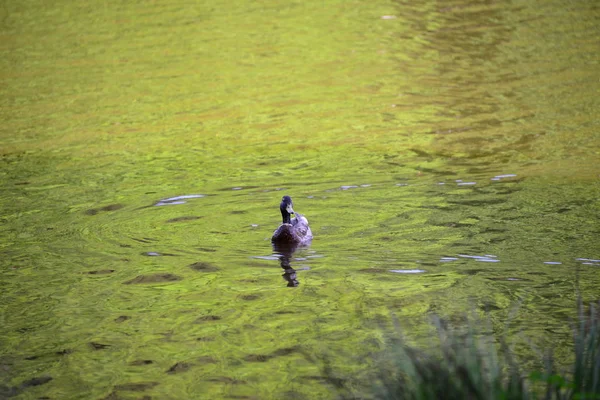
x=446, y=155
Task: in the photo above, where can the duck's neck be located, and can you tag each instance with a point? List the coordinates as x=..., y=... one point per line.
x=286, y=216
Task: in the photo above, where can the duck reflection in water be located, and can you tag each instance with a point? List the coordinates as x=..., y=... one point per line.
x=285, y=253
x=291, y=234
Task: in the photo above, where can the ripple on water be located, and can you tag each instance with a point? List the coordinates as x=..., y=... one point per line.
x=204, y=267
x=448, y=259
x=179, y=367
x=184, y=218
x=153, y=278
x=588, y=261
x=101, y=272
x=499, y=177
x=157, y=254
x=407, y=271
x=237, y=188
x=273, y=257
x=178, y=199
x=484, y=258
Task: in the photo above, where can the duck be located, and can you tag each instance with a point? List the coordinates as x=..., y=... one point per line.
x=291, y=231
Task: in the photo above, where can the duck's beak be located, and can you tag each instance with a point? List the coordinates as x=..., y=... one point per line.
x=289, y=209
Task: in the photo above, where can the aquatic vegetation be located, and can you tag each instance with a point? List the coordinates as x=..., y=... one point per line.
x=471, y=364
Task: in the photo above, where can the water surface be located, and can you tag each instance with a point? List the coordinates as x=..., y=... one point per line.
x=446, y=155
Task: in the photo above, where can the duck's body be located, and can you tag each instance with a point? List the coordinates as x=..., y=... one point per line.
x=297, y=232
x=292, y=231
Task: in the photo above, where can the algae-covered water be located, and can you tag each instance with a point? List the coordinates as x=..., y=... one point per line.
x=445, y=153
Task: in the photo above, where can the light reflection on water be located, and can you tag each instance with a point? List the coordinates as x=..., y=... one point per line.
x=445, y=158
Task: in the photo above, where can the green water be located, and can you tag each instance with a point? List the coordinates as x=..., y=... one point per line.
x=389, y=133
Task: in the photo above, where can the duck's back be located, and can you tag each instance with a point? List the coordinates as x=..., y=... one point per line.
x=300, y=224
x=297, y=232
x=285, y=234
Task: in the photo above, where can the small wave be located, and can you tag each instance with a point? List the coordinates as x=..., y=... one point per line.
x=498, y=177
x=408, y=271
x=178, y=199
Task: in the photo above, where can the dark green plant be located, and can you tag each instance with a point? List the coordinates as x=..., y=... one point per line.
x=466, y=367
x=583, y=382
x=469, y=365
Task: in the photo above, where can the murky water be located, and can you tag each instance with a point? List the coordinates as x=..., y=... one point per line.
x=445, y=153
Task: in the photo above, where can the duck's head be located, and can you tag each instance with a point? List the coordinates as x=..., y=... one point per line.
x=286, y=209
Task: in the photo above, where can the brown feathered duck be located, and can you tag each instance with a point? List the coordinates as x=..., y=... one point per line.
x=292, y=231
